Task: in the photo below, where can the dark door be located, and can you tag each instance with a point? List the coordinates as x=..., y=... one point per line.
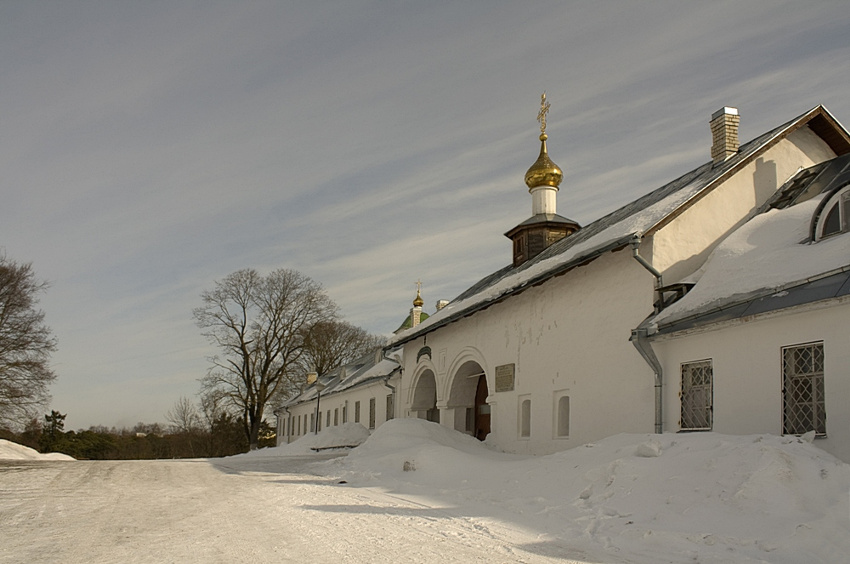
x=482, y=410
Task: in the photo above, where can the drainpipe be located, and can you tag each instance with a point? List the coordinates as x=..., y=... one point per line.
x=387, y=380
x=392, y=391
x=288, y=425
x=641, y=342
x=635, y=244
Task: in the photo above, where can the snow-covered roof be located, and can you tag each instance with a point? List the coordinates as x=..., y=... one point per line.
x=769, y=263
x=616, y=229
x=366, y=369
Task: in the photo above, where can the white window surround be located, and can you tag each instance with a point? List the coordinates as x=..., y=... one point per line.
x=561, y=414
x=524, y=417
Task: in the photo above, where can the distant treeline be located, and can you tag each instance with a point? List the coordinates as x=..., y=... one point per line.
x=225, y=436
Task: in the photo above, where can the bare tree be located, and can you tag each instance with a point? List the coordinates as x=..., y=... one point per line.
x=25, y=344
x=332, y=343
x=184, y=417
x=258, y=323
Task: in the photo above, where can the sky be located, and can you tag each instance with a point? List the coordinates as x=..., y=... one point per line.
x=149, y=149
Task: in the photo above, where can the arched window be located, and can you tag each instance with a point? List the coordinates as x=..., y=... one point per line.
x=835, y=217
x=563, y=428
x=525, y=418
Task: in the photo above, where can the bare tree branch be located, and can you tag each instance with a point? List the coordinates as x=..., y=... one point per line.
x=258, y=323
x=25, y=345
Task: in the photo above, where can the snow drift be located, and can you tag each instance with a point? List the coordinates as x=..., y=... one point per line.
x=640, y=498
x=14, y=451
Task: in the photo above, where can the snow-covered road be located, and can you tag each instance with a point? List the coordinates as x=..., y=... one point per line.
x=228, y=510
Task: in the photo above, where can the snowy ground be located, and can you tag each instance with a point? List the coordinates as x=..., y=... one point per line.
x=417, y=492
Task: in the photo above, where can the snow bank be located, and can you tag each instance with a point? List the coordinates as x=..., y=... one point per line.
x=14, y=451
x=346, y=435
x=643, y=498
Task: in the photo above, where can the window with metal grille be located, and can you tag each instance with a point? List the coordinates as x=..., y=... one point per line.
x=696, y=396
x=371, y=413
x=803, y=406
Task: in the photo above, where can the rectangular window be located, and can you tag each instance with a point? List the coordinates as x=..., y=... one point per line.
x=357, y=412
x=803, y=406
x=371, y=413
x=305, y=424
x=328, y=417
x=389, y=406
x=312, y=422
x=345, y=413
x=524, y=417
x=697, y=396
x=299, y=426
x=320, y=422
x=336, y=416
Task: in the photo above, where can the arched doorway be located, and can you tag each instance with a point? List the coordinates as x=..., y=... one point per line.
x=424, y=404
x=468, y=400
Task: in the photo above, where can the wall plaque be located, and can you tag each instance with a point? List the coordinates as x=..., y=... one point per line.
x=505, y=377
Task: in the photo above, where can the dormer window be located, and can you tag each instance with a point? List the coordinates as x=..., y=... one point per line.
x=835, y=218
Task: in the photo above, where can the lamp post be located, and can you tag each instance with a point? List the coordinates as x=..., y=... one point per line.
x=319, y=388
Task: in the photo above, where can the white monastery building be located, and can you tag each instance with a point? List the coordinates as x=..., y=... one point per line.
x=717, y=302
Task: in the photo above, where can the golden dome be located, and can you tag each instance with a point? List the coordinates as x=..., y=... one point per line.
x=418, y=301
x=543, y=172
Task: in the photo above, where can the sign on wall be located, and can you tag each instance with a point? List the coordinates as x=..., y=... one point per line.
x=505, y=374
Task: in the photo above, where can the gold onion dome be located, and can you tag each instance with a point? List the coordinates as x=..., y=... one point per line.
x=543, y=172
x=418, y=301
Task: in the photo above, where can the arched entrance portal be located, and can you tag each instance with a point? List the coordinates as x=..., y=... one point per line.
x=481, y=423
x=424, y=405
x=468, y=400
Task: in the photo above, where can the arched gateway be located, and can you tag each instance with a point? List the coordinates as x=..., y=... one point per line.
x=424, y=404
x=468, y=400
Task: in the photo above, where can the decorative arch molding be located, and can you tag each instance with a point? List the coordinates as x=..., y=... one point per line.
x=467, y=354
x=422, y=367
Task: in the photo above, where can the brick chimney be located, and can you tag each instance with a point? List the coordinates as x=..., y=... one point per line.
x=724, y=134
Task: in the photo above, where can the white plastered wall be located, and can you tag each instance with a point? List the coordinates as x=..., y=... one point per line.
x=747, y=367
x=682, y=246
x=346, y=399
x=568, y=335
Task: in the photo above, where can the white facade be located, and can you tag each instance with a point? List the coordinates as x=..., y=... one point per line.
x=539, y=358
x=359, y=393
x=560, y=326
x=747, y=367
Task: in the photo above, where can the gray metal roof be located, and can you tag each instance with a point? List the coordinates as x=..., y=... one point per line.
x=806, y=292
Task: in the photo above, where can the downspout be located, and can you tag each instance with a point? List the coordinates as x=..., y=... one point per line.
x=288, y=425
x=640, y=340
x=640, y=335
x=387, y=380
x=635, y=244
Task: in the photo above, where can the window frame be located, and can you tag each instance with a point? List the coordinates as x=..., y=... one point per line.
x=817, y=390
x=838, y=202
x=687, y=409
